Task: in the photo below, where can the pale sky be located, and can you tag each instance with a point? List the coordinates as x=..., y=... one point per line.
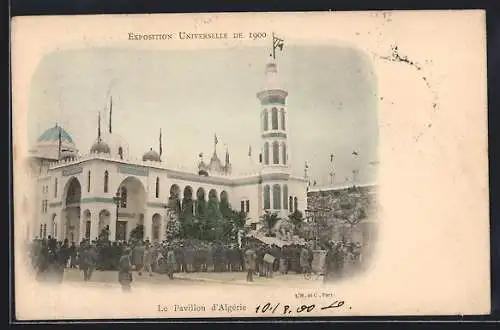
x=192, y=95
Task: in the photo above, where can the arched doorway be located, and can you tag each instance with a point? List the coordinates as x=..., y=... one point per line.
x=174, y=201
x=156, y=234
x=72, y=194
x=224, y=206
x=212, y=195
x=187, y=201
x=132, y=205
x=200, y=202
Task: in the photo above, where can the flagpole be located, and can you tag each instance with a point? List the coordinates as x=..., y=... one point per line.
x=274, y=49
x=161, y=149
x=60, y=144
x=110, y=112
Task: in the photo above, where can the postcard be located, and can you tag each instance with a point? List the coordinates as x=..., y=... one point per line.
x=250, y=165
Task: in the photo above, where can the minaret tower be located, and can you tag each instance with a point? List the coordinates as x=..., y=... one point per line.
x=275, y=169
x=274, y=124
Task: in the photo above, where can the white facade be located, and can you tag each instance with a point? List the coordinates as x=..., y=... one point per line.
x=74, y=195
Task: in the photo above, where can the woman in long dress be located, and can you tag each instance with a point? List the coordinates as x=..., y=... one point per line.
x=125, y=270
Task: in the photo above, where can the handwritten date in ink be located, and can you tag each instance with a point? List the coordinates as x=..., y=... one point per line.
x=278, y=308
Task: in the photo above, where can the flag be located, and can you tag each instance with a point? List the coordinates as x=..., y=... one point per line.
x=160, y=144
x=277, y=44
x=355, y=153
x=59, y=139
x=249, y=151
x=331, y=158
x=110, y=111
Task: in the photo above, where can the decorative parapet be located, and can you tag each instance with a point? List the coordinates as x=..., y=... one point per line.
x=139, y=167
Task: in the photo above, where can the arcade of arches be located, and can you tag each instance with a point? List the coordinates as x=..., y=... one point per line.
x=91, y=220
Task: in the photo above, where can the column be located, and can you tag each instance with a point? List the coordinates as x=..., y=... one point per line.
x=112, y=224
x=83, y=226
x=148, y=225
x=61, y=221
x=94, y=225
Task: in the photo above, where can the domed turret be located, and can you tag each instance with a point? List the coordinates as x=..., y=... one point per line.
x=100, y=147
x=52, y=141
x=52, y=135
x=151, y=156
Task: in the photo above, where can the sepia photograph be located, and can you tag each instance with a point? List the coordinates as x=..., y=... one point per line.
x=196, y=158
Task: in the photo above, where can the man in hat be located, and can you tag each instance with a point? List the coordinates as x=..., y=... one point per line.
x=250, y=263
x=171, y=262
x=125, y=270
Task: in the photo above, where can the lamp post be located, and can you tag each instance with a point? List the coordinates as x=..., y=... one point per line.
x=117, y=199
x=313, y=213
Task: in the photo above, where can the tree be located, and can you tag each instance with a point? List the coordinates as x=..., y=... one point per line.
x=173, y=227
x=269, y=219
x=137, y=233
x=232, y=224
x=297, y=220
x=174, y=204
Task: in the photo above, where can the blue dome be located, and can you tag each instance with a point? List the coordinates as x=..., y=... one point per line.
x=52, y=134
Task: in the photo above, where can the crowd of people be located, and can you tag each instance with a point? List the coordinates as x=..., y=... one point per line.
x=50, y=258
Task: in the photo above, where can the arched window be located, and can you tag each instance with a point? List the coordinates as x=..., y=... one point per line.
x=282, y=113
x=290, y=204
x=41, y=231
x=276, y=152
x=266, y=153
x=157, y=187
x=123, y=196
x=283, y=151
x=285, y=197
x=44, y=230
x=265, y=120
x=277, y=197
x=88, y=182
x=267, y=198
x=295, y=204
x=55, y=188
x=106, y=181
x=274, y=118
x=120, y=152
